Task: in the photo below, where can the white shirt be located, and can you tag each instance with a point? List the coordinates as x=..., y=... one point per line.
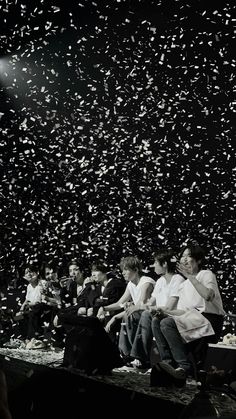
x=136, y=290
x=34, y=294
x=189, y=297
x=163, y=290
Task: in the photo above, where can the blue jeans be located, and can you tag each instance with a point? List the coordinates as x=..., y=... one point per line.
x=141, y=348
x=169, y=342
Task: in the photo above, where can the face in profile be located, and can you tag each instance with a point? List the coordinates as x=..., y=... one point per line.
x=128, y=274
x=98, y=276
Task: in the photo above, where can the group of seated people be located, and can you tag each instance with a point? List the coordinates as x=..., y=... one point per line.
x=179, y=309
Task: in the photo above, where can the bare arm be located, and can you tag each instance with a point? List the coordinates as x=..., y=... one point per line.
x=146, y=292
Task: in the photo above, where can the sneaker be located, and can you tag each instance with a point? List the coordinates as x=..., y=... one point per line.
x=136, y=363
x=126, y=368
x=140, y=365
x=35, y=344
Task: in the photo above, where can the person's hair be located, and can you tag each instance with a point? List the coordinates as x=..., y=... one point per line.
x=51, y=265
x=77, y=263
x=167, y=256
x=196, y=252
x=132, y=263
x=100, y=266
x=32, y=267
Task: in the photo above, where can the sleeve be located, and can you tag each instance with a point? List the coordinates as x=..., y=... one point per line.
x=209, y=280
x=27, y=296
x=112, y=293
x=175, y=285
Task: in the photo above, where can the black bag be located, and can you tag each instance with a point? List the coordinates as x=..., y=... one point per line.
x=89, y=348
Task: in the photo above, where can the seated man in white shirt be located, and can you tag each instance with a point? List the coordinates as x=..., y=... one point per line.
x=32, y=308
x=138, y=290
x=199, y=292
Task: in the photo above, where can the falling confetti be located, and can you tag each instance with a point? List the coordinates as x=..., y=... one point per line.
x=117, y=131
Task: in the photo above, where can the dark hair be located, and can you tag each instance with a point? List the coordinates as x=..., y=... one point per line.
x=100, y=266
x=51, y=265
x=196, y=252
x=132, y=263
x=167, y=256
x=32, y=267
x=77, y=263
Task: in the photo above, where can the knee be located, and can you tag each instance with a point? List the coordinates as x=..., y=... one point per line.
x=155, y=322
x=166, y=323
x=146, y=317
x=125, y=318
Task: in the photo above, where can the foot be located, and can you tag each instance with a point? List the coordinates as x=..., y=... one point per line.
x=140, y=365
x=35, y=344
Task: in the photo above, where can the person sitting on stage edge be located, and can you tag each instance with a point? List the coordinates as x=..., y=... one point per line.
x=165, y=295
x=32, y=309
x=138, y=291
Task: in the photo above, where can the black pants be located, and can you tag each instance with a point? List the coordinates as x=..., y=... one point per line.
x=198, y=347
x=32, y=325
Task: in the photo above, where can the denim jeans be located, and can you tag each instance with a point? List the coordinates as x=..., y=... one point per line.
x=169, y=342
x=128, y=331
x=141, y=348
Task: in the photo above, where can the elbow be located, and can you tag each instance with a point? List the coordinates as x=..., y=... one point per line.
x=210, y=295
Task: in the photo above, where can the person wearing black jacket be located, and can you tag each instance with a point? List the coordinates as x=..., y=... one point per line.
x=103, y=288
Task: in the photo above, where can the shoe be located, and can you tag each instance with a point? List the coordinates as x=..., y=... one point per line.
x=136, y=363
x=125, y=368
x=38, y=344
x=164, y=375
x=35, y=344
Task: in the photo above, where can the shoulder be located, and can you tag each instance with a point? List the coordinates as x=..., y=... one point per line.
x=206, y=274
x=178, y=278
x=160, y=281
x=115, y=282
x=146, y=280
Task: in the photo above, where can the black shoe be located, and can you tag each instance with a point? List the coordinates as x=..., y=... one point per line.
x=164, y=375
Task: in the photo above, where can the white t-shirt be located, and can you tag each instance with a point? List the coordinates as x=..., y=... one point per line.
x=163, y=290
x=189, y=297
x=136, y=290
x=34, y=294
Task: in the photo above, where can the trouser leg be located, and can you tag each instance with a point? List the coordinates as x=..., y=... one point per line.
x=142, y=344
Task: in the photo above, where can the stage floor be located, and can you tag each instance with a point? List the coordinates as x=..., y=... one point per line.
x=39, y=387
